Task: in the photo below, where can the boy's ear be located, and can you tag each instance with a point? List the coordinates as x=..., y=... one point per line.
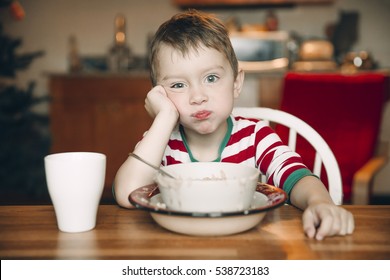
x=238, y=83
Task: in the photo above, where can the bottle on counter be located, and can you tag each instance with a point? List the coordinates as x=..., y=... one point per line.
x=271, y=21
x=74, y=62
x=119, y=57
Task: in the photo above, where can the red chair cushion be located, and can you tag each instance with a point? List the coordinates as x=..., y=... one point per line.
x=346, y=111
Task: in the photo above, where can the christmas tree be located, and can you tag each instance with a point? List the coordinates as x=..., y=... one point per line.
x=24, y=137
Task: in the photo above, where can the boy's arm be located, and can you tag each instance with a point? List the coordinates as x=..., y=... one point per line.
x=308, y=190
x=321, y=216
x=133, y=173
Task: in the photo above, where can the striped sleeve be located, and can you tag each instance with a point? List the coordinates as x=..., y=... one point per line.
x=275, y=159
x=255, y=143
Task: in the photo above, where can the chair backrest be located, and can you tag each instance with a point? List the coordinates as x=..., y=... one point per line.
x=324, y=156
x=345, y=110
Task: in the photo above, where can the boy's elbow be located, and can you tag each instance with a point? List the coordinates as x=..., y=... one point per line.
x=121, y=198
x=123, y=202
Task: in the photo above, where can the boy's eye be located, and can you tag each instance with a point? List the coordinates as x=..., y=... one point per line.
x=177, y=85
x=211, y=78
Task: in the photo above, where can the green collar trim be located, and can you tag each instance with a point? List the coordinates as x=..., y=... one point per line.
x=221, y=147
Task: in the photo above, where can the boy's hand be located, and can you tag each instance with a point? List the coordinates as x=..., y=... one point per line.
x=157, y=101
x=326, y=219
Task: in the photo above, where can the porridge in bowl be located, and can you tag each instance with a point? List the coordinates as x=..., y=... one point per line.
x=207, y=187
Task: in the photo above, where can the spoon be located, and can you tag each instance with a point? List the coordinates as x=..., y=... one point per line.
x=155, y=189
x=151, y=165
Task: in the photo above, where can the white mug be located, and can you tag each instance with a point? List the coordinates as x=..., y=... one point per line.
x=75, y=182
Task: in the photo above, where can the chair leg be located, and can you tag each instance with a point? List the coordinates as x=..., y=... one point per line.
x=362, y=180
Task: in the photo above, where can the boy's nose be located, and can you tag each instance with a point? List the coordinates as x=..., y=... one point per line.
x=197, y=96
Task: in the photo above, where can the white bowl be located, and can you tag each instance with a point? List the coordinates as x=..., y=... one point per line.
x=265, y=199
x=207, y=187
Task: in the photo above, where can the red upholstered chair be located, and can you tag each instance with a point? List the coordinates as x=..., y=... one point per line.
x=346, y=111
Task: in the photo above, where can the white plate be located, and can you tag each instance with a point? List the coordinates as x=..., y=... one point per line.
x=267, y=197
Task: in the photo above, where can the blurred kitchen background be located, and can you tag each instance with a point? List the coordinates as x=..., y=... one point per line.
x=74, y=53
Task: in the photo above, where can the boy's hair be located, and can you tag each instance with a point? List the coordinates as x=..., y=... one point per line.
x=188, y=30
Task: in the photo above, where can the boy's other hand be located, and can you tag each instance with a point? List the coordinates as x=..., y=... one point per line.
x=325, y=219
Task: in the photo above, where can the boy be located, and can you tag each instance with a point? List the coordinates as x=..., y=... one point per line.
x=196, y=78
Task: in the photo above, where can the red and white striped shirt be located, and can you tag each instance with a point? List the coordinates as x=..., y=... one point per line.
x=251, y=142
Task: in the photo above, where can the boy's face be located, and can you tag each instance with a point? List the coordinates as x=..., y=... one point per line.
x=201, y=85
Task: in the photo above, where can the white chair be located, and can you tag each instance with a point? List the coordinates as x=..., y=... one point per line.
x=324, y=154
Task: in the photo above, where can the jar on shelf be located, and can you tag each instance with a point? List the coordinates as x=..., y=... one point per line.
x=120, y=56
x=74, y=61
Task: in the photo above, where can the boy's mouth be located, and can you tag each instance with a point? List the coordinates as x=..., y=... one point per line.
x=201, y=115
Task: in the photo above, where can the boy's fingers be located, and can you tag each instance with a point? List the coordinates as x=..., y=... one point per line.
x=345, y=223
x=326, y=228
x=309, y=225
x=351, y=223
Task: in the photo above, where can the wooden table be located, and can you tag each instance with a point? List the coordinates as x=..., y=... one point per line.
x=30, y=232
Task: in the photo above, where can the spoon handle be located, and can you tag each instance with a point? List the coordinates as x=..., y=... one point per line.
x=151, y=165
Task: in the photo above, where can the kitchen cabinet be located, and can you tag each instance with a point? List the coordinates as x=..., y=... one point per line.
x=271, y=91
x=261, y=89
x=99, y=113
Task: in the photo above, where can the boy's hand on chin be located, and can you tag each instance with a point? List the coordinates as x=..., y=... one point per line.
x=157, y=101
x=326, y=219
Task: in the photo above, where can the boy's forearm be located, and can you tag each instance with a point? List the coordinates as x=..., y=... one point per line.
x=309, y=190
x=133, y=173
